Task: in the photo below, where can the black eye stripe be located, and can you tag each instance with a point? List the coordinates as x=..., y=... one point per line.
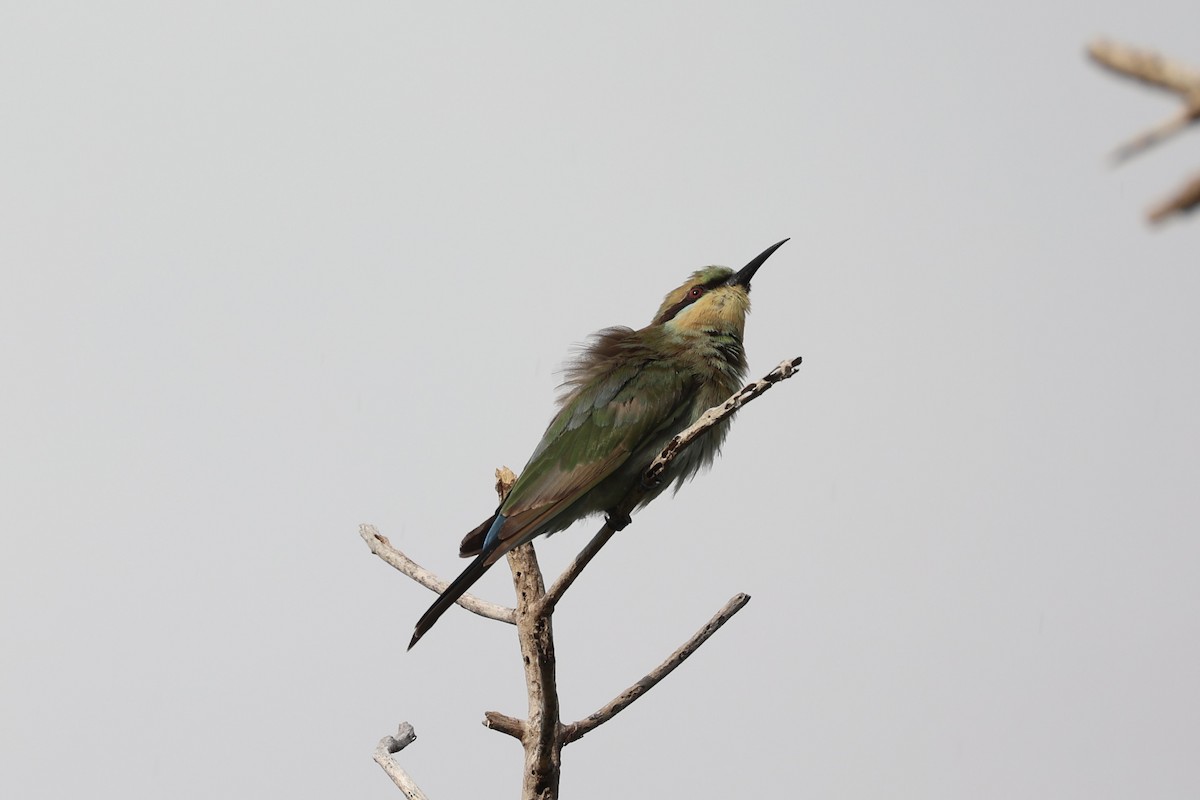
x=670, y=313
x=687, y=300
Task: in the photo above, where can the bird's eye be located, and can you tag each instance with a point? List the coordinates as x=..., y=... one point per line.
x=696, y=292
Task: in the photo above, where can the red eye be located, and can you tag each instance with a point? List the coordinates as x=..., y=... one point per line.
x=696, y=292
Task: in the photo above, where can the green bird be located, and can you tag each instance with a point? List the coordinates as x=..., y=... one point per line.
x=626, y=396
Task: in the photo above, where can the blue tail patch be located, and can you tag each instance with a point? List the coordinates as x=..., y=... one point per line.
x=493, y=534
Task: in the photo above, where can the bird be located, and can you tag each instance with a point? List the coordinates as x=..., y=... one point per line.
x=626, y=395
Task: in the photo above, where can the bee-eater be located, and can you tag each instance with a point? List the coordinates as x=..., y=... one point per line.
x=626, y=396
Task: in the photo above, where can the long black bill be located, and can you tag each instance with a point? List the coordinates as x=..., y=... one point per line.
x=742, y=276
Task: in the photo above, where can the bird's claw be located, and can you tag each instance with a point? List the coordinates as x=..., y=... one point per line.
x=617, y=520
x=648, y=486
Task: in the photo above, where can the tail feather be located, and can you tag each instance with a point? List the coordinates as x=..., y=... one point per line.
x=464, y=581
x=472, y=543
x=455, y=590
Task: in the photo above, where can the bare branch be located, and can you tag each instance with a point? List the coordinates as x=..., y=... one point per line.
x=1184, y=200
x=576, y=566
x=1145, y=65
x=1154, y=70
x=535, y=631
x=1158, y=133
x=504, y=724
x=381, y=547
x=576, y=730
x=388, y=745
x=658, y=466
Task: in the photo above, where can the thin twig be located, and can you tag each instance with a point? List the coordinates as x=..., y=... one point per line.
x=568, y=576
x=388, y=745
x=576, y=730
x=658, y=466
x=1157, y=133
x=1184, y=200
x=381, y=547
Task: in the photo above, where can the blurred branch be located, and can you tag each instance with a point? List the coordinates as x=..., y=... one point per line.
x=1160, y=72
x=1155, y=134
x=1144, y=65
x=1184, y=200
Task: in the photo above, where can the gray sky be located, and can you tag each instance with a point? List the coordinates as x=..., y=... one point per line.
x=273, y=270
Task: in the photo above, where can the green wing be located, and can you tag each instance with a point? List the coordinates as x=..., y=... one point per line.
x=617, y=405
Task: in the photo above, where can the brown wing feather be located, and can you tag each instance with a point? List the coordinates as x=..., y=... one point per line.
x=555, y=495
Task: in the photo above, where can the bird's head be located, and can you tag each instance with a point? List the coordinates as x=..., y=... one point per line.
x=714, y=299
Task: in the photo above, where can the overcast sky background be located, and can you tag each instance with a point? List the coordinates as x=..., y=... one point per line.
x=275, y=269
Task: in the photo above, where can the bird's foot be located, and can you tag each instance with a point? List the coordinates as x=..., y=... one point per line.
x=617, y=520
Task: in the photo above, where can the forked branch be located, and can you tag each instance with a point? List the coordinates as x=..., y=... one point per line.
x=1160, y=72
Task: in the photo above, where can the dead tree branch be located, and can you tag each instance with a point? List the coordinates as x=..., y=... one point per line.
x=576, y=730
x=1163, y=73
x=505, y=724
x=381, y=547
x=383, y=757
x=535, y=631
x=658, y=466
